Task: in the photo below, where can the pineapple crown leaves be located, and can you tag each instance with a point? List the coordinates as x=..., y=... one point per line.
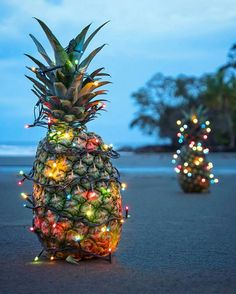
x=63, y=87
x=200, y=112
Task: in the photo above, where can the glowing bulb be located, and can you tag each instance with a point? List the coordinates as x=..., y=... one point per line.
x=206, y=150
x=50, y=174
x=173, y=161
x=78, y=238
x=211, y=176
x=175, y=156
x=178, y=151
x=216, y=181
x=185, y=126
x=178, y=122
x=36, y=258
x=210, y=165
x=123, y=186
x=54, y=225
x=52, y=258
x=189, y=174
x=27, y=126
x=105, y=146
x=68, y=197
x=181, y=129
x=200, y=159
x=177, y=170
x=205, y=137
x=96, y=83
x=33, y=69
x=185, y=164
x=20, y=183
x=31, y=229
x=21, y=172
x=54, y=164
x=24, y=196
x=103, y=229
x=76, y=61
x=89, y=213
x=185, y=171
x=122, y=221
x=66, y=135
x=208, y=130
x=207, y=122
x=109, y=250
x=203, y=180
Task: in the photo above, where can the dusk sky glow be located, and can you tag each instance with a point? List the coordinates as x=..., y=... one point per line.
x=143, y=37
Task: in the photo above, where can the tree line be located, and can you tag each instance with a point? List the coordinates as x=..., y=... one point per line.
x=161, y=102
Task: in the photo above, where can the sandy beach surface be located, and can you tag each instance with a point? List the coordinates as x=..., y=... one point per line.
x=173, y=242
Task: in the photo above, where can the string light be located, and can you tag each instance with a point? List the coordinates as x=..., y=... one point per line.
x=123, y=186
x=24, y=196
x=178, y=122
x=192, y=168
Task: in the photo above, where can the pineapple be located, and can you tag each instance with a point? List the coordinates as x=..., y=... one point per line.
x=192, y=167
x=76, y=196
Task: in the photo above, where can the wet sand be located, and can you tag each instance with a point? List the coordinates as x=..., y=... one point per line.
x=173, y=242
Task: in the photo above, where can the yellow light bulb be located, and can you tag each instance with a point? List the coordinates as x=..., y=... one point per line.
x=24, y=196
x=123, y=186
x=103, y=229
x=89, y=213
x=96, y=83
x=178, y=122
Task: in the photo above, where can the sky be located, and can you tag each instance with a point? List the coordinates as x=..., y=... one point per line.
x=144, y=37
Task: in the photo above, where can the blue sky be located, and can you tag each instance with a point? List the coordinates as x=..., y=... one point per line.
x=144, y=37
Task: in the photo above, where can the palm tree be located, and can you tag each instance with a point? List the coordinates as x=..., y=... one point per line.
x=220, y=98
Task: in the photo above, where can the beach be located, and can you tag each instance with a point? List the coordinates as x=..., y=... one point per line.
x=172, y=243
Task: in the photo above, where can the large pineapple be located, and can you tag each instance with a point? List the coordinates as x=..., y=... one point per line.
x=76, y=193
x=193, y=168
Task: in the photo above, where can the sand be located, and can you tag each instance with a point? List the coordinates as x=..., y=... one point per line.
x=173, y=242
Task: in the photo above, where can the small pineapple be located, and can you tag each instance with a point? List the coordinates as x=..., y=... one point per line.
x=192, y=167
x=76, y=193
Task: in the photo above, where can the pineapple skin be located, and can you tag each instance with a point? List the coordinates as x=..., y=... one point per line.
x=77, y=194
x=193, y=184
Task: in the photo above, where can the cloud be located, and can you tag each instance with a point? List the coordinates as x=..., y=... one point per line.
x=144, y=18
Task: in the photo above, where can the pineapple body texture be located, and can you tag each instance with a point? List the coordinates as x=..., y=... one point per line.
x=194, y=178
x=76, y=194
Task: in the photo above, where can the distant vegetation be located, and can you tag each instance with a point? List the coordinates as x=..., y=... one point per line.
x=161, y=101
